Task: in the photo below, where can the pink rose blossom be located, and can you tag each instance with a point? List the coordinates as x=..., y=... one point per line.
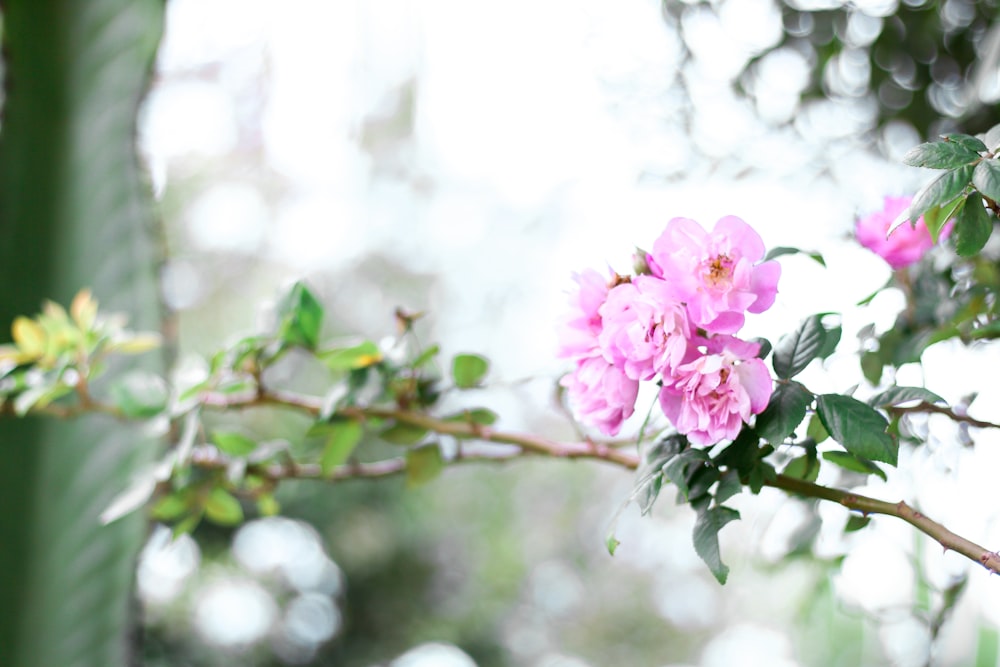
x=601, y=394
x=719, y=274
x=906, y=244
x=578, y=331
x=645, y=329
x=711, y=397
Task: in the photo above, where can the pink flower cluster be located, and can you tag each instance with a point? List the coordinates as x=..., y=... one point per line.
x=906, y=244
x=674, y=325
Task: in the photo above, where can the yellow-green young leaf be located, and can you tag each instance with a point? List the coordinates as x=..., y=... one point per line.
x=83, y=309
x=135, y=343
x=29, y=336
x=234, y=444
x=342, y=438
x=936, y=217
x=351, y=358
x=223, y=508
x=468, y=370
x=423, y=464
x=267, y=505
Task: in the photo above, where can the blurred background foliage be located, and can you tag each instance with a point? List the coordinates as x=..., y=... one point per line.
x=289, y=141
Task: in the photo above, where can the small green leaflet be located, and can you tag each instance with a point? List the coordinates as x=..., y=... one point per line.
x=223, y=508
x=233, y=444
x=300, y=316
x=468, y=370
x=352, y=358
x=423, y=464
x=342, y=437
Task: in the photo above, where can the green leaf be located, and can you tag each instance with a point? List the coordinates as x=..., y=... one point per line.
x=352, y=358
x=233, y=444
x=729, y=486
x=936, y=217
x=940, y=155
x=403, y=434
x=223, y=508
x=816, y=431
x=140, y=394
x=679, y=468
x=611, y=543
x=342, y=437
x=856, y=522
x=706, y=539
x=973, y=227
x=788, y=250
x=858, y=427
x=854, y=463
x=300, y=316
x=966, y=141
x=784, y=413
x=804, y=467
x=898, y=395
x=468, y=370
x=795, y=350
x=871, y=366
x=943, y=189
x=423, y=464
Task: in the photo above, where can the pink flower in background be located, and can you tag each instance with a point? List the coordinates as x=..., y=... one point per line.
x=711, y=397
x=906, y=244
x=578, y=331
x=601, y=394
x=719, y=274
x=645, y=329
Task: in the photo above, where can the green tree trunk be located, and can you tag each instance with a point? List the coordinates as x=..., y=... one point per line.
x=74, y=212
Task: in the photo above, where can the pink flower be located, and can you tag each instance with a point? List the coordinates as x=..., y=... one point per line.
x=906, y=244
x=578, y=331
x=645, y=329
x=601, y=394
x=711, y=397
x=719, y=274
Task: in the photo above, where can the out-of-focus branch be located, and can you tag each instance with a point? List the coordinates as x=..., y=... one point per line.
x=924, y=407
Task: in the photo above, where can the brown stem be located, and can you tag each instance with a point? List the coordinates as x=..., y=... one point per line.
x=947, y=539
x=925, y=407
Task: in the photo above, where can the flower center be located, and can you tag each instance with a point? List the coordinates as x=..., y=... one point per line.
x=719, y=272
